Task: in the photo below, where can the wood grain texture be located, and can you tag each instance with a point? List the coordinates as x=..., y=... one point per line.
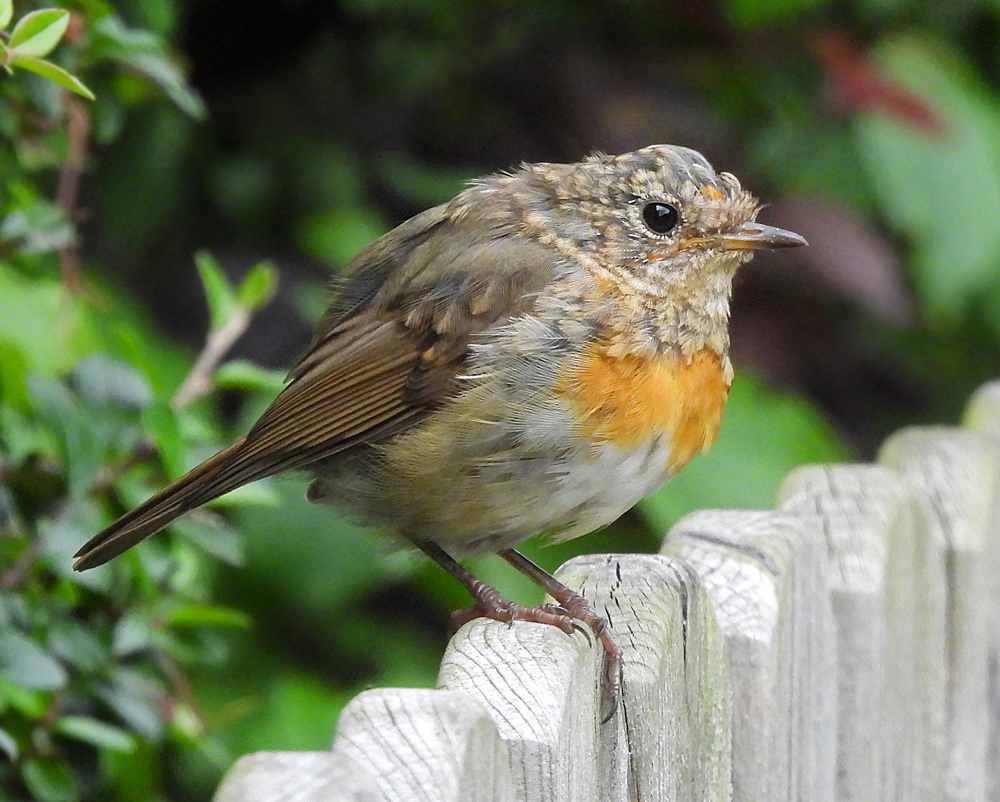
x=955, y=474
x=766, y=575
x=423, y=745
x=671, y=737
x=540, y=687
x=887, y=594
x=297, y=777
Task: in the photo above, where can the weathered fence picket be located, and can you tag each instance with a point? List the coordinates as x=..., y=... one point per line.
x=955, y=474
x=983, y=414
x=671, y=738
x=761, y=570
x=887, y=599
x=844, y=646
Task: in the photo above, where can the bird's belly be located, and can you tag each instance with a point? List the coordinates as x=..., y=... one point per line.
x=488, y=504
x=601, y=484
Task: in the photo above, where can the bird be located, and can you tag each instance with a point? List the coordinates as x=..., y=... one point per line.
x=532, y=357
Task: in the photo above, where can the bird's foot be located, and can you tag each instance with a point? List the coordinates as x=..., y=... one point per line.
x=490, y=604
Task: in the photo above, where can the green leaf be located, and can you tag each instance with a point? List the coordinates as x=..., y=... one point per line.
x=259, y=494
x=53, y=73
x=135, y=698
x=186, y=723
x=75, y=642
x=242, y=375
x=258, y=286
x=208, y=615
x=146, y=53
x=36, y=317
x=942, y=189
x=420, y=184
x=160, y=421
x=22, y=437
x=78, y=441
x=220, y=540
x=38, y=227
x=6, y=12
x=13, y=376
x=131, y=635
x=49, y=781
x=24, y=663
x=283, y=720
x=346, y=550
x=219, y=292
x=110, y=382
x=60, y=538
x=335, y=235
x=31, y=703
x=135, y=776
x=14, y=608
x=806, y=155
x=37, y=33
x=97, y=733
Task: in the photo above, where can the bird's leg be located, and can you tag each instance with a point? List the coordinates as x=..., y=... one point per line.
x=565, y=615
x=490, y=604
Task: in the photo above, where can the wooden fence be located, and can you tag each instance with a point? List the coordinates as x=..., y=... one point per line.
x=843, y=646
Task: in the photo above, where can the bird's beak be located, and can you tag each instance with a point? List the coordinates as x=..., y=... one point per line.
x=757, y=236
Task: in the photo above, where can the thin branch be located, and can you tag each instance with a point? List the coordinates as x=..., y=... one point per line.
x=68, y=189
x=198, y=382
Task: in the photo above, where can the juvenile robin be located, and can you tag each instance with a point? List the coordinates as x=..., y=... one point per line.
x=534, y=356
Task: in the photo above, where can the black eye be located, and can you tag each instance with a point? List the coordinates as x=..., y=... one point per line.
x=660, y=217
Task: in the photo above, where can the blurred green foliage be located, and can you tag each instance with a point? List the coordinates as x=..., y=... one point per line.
x=315, y=127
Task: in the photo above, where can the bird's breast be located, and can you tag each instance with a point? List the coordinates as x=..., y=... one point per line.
x=627, y=401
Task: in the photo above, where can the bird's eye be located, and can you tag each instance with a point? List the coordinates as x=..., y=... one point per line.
x=660, y=217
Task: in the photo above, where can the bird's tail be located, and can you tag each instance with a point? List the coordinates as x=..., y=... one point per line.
x=214, y=477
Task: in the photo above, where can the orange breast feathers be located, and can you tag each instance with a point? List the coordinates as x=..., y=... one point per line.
x=629, y=400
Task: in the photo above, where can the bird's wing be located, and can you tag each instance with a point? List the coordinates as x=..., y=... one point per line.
x=385, y=355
